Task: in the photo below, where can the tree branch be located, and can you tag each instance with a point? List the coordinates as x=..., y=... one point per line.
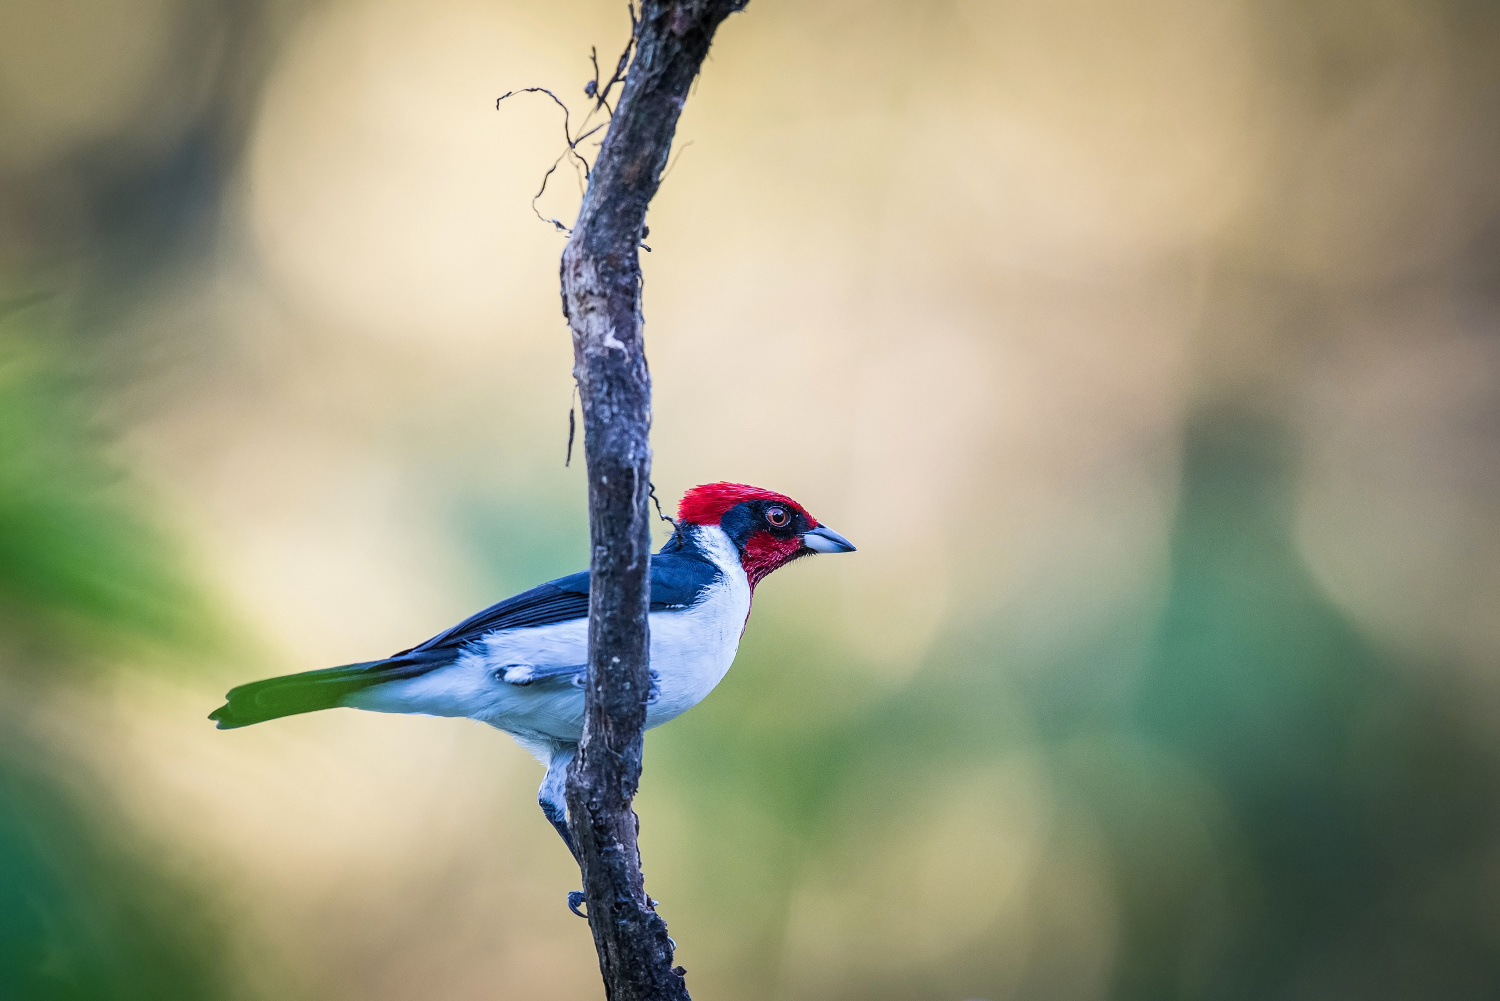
x=601, y=282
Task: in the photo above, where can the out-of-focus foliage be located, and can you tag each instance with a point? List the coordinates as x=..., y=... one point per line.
x=80, y=563
x=1282, y=810
x=87, y=911
x=1147, y=350
x=1347, y=857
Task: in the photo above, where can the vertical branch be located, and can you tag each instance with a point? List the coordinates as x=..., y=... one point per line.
x=601, y=282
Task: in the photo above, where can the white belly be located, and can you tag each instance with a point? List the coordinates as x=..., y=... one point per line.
x=691, y=651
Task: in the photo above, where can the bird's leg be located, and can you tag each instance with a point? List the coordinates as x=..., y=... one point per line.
x=557, y=816
x=552, y=797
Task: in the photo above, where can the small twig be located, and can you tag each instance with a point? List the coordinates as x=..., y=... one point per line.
x=592, y=87
x=572, y=142
x=591, y=131
x=572, y=426
x=539, y=191
x=600, y=94
x=567, y=128
x=651, y=492
x=673, y=165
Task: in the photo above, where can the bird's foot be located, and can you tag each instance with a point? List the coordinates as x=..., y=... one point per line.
x=575, y=900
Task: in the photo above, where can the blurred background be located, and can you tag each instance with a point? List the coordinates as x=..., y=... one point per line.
x=1147, y=350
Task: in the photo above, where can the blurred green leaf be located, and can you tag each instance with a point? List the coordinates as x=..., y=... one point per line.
x=81, y=563
x=86, y=913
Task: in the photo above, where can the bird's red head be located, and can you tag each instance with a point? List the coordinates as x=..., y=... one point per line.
x=769, y=529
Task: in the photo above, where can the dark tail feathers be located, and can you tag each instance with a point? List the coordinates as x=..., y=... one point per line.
x=312, y=690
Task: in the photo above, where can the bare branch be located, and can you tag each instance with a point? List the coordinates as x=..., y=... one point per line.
x=601, y=299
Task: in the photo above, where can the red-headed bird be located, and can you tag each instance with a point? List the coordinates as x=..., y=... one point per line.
x=520, y=665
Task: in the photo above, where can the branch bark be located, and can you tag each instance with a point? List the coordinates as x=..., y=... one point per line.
x=601, y=284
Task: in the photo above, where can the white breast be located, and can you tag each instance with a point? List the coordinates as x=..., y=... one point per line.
x=691, y=650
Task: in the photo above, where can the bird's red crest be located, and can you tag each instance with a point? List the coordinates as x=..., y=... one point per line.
x=706, y=504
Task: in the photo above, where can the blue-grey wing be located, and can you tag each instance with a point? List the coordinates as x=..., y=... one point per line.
x=558, y=600
x=678, y=580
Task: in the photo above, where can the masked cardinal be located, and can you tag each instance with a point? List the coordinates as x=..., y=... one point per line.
x=520, y=665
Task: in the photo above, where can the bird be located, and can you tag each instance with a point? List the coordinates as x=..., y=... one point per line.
x=521, y=664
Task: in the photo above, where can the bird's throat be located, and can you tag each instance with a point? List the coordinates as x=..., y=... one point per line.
x=763, y=553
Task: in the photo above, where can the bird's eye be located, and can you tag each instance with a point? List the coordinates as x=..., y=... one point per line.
x=777, y=517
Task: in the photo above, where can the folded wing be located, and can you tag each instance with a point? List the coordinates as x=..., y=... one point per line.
x=677, y=580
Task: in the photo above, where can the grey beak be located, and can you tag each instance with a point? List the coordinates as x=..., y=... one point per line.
x=825, y=540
